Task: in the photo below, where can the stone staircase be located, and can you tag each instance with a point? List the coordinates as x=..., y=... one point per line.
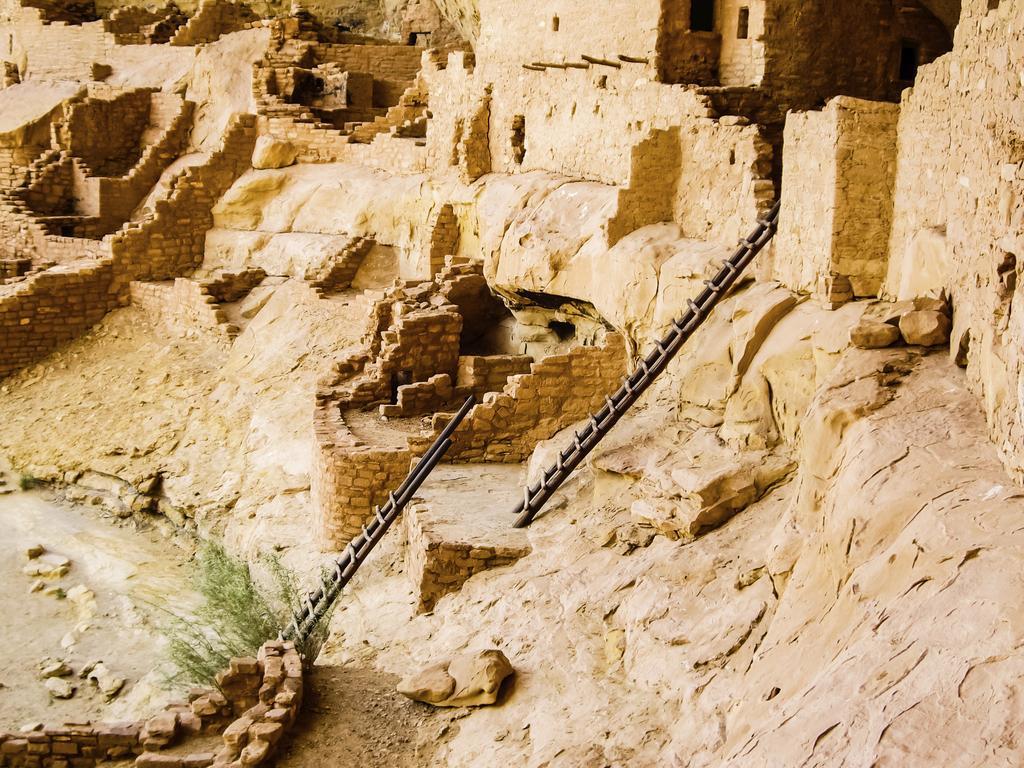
x=340, y=271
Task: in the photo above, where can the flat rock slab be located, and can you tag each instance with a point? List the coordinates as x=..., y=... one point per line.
x=460, y=524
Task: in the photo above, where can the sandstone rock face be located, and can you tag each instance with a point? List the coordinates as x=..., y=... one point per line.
x=798, y=549
x=466, y=680
x=783, y=586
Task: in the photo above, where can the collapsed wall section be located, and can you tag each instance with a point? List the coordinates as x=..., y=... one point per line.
x=52, y=307
x=558, y=391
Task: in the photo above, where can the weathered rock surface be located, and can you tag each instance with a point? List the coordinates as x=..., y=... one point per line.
x=898, y=503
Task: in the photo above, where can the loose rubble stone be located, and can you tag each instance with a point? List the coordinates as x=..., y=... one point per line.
x=48, y=566
x=54, y=669
x=160, y=730
x=109, y=684
x=467, y=680
x=926, y=328
x=873, y=334
x=60, y=688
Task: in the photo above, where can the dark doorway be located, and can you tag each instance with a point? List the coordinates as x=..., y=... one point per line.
x=702, y=16
x=910, y=60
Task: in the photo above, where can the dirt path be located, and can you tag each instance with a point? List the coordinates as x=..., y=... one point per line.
x=355, y=717
x=129, y=571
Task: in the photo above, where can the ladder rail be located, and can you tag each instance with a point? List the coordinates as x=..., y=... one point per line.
x=318, y=602
x=535, y=496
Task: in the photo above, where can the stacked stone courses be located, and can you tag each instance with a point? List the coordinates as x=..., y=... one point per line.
x=53, y=307
x=257, y=699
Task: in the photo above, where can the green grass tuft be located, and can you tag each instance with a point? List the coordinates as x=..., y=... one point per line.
x=27, y=482
x=236, y=615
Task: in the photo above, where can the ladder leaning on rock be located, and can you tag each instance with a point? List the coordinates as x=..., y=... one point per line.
x=318, y=602
x=601, y=423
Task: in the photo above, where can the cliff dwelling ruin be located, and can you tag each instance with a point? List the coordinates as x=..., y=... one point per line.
x=476, y=383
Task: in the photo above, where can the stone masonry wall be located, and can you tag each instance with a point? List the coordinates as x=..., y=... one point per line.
x=171, y=240
x=535, y=30
x=440, y=563
x=837, y=197
x=959, y=207
x=371, y=141
x=678, y=163
x=53, y=307
x=408, y=369
x=52, y=51
x=115, y=199
x=560, y=390
x=105, y=131
x=186, y=308
x=349, y=477
x=213, y=19
x=480, y=374
x=257, y=700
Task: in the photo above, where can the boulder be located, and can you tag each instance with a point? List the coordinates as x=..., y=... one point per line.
x=707, y=496
x=467, y=680
x=273, y=153
x=925, y=328
x=432, y=685
x=874, y=334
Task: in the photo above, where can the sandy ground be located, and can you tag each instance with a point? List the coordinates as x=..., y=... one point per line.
x=133, y=573
x=355, y=717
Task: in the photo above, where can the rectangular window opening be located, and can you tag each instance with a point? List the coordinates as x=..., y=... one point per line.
x=743, y=25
